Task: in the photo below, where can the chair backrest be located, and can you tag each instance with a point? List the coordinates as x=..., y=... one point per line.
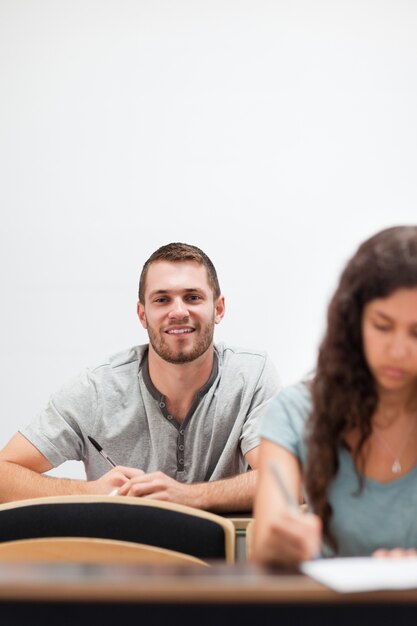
x=169, y=526
x=88, y=550
x=249, y=538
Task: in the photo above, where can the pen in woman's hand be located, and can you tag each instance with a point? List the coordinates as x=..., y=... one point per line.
x=276, y=473
x=290, y=500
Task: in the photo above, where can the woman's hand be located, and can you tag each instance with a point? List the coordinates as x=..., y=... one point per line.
x=292, y=537
x=395, y=553
x=282, y=533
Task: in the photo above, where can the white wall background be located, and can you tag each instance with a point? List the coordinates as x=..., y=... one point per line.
x=275, y=134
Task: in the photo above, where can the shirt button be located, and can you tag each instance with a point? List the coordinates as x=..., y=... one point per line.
x=162, y=405
x=181, y=431
x=181, y=447
x=169, y=417
x=181, y=461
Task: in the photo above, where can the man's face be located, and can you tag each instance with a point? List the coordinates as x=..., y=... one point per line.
x=179, y=311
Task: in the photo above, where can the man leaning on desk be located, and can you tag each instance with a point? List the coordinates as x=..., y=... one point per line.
x=180, y=414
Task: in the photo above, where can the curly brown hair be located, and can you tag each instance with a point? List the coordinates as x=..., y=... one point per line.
x=176, y=253
x=344, y=393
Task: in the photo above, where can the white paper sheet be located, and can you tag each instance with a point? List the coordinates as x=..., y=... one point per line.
x=363, y=573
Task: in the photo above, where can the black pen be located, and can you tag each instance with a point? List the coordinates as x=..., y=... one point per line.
x=101, y=451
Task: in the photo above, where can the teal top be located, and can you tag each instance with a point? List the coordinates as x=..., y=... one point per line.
x=382, y=515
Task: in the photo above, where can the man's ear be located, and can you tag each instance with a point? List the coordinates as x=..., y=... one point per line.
x=141, y=314
x=219, y=309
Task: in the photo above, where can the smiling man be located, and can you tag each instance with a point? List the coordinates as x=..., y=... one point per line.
x=179, y=414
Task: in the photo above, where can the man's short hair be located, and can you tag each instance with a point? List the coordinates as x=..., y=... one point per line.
x=177, y=253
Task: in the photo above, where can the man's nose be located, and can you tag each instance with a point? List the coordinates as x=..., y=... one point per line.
x=179, y=310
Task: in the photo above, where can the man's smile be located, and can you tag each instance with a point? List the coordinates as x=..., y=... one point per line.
x=179, y=331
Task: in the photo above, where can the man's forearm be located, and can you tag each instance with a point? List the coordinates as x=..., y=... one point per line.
x=20, y=483
x=228, y=495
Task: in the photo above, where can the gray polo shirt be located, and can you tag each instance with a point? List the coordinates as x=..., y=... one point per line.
x=117, y=404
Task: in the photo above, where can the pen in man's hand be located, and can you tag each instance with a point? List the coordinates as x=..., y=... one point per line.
x=101, y=451
x=276, y=473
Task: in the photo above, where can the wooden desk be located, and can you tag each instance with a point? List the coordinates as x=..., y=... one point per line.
x=223, y=594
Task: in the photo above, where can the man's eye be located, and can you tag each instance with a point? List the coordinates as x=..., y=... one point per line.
x=193, y=298
x=161, y=300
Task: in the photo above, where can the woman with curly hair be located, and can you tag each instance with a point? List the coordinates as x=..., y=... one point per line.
x=347, y=438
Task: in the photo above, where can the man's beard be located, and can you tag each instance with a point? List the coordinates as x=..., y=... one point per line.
x=170, y=355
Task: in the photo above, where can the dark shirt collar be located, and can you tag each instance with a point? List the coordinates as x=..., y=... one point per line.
x=144, y=368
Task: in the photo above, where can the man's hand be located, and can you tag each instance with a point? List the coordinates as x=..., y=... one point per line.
x=159, y=486
x=114, y=479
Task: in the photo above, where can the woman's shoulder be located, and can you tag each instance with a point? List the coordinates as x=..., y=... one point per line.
x=287, y=413
x=296, y=397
